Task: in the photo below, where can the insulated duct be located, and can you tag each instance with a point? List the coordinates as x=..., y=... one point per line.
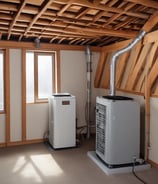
x=114, y=60
x=88, y=104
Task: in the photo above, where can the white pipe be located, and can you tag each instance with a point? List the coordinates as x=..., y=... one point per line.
x=88, y=106
x=114, y=59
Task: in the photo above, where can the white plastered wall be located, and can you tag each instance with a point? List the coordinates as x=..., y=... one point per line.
x=73, y=79
x=153, y=151
x=15, y=95
x=37, y=121
x=2, y=128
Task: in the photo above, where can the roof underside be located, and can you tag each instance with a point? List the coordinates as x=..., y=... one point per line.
x=74, y=22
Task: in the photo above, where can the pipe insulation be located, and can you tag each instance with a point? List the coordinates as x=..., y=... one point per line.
x=114, y=60
x=88, y=104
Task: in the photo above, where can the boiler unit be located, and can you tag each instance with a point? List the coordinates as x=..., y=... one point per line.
x=62, y=120
x=117, y=130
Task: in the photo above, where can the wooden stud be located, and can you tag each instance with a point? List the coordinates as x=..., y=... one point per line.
x=7, y=95
x=57, y=73
x=23, y=95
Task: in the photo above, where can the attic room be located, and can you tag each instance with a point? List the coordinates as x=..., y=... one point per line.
x=92, y=54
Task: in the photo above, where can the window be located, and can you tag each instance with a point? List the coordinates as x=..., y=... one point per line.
x=1, y=80
x=39, y=75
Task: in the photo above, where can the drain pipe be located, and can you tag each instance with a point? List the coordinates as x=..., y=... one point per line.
x=114, y=60
x=88, y=105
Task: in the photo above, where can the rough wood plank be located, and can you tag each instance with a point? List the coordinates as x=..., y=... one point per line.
x=151, y=22
x=99, y=70
x=153, y=74
x=44, y=6
x=133, y=60
x=15, y=18
x=151, y=37
x=138, y=66
x=100, y=32
x=147, y=66
x=116, y=46
x=148, y=3
x=120, y=69
x=105, y=80
x=155, y=91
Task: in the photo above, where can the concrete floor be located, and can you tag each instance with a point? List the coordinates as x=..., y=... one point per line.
x=39, y=163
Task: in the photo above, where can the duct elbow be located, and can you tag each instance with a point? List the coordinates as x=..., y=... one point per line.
x=116, y=55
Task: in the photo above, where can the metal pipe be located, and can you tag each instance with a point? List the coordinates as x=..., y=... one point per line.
x=88, y=109
x=114, y=59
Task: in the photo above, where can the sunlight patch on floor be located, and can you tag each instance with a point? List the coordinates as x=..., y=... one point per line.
x=37, y=167
x=47, y=165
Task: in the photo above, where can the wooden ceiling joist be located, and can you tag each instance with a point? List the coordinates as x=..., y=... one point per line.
x=91, y=20
x=15, y=18
x=43, y=8
x=147, y=3
x=153, y=20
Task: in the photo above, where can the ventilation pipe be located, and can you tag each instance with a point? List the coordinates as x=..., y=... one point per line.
x=114, y=60
x=37, y=43
x=88, y=104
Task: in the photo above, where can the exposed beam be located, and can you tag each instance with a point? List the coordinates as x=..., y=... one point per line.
x=16, y=17
x=153, y=20
x=147, y=3
x=42, y=10
x=102, y=32
x=104, y=8
x=64, y=8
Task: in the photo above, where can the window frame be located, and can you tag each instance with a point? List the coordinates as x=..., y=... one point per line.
x=36, y=54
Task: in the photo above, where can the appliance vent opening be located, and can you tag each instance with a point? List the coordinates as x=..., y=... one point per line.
x=101, y=123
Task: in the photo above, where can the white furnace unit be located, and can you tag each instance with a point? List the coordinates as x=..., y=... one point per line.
x=62, y=120
x=117, y=130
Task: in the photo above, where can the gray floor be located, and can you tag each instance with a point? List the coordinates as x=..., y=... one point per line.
x=38, y=163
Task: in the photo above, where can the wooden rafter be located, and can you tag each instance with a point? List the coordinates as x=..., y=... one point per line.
x=65, y=8
x=151, y=22
x=93, y=21
x=148, y=3
x=100, y=7
x=16, y=17
x=43, y=8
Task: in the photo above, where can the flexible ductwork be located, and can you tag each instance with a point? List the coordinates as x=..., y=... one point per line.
x=114, y=59
x=88, y=104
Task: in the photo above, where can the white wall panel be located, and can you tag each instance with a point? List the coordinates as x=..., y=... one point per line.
x=2, y=128
x=153, y=152
x=73, y=79
x=15, y=95
x=36, y=121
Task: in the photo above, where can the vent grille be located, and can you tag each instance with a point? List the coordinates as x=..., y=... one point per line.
x=100, y=128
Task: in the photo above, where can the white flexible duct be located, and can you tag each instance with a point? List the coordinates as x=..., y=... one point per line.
x=88, y=105
x=114, y=59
